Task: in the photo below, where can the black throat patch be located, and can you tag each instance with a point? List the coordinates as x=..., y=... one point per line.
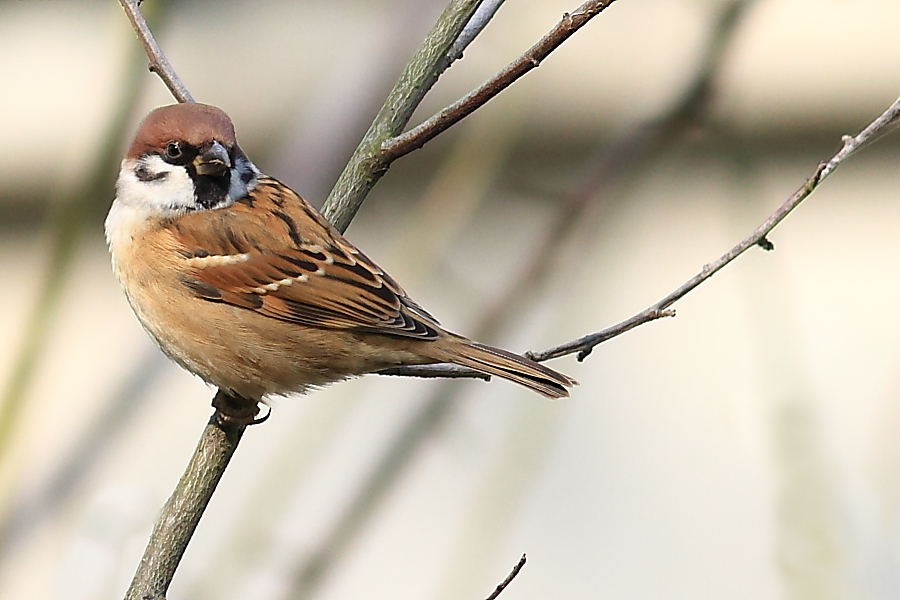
x=209, y=190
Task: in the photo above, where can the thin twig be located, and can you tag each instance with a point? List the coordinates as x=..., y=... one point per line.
x=512, y=575
x=368, y=164
x=417, y=137
x=869, y=134
x=617, y=160
x=584, y=345
x=158, y=62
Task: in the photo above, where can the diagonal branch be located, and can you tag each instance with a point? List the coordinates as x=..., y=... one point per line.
x=182, y=511
x=159, y=64
x=417, y=137
x=584, y=345
x=505, y=583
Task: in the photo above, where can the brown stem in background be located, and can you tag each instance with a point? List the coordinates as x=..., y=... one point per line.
x=159, y=64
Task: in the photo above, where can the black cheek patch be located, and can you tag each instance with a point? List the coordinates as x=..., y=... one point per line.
x=144, y=174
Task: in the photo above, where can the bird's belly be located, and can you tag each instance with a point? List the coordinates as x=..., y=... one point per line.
x=237, y=349
x=253, y=355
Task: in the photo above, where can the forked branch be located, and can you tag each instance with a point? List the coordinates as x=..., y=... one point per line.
x=383, y=143
x=417, y=137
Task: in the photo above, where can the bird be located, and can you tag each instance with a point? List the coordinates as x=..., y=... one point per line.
x=243, y=283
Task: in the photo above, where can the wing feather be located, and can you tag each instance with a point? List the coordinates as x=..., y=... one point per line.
x=274, y=254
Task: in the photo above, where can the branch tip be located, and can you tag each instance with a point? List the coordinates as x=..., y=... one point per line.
x=512, y=575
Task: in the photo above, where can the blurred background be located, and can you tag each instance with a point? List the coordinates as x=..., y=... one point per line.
x=747, y=448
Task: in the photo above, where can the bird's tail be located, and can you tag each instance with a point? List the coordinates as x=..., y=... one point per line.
x=513, y=367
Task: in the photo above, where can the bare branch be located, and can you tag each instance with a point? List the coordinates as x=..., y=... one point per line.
x=158, y=62
x=417, y=137
x=619, y=158
x=869, y=134
x=583, y=346
x=382, y=144
x=508, y=580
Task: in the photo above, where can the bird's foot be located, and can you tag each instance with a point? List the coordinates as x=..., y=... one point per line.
x=232, y=409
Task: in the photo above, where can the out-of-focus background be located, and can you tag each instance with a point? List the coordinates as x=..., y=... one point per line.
x=747, y=448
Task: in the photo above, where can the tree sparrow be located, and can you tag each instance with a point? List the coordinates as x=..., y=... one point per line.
x=241, y=282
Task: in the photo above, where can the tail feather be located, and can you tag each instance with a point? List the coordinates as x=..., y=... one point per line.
x=515, y=368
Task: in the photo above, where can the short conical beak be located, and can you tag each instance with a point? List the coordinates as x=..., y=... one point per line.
x=213, y=161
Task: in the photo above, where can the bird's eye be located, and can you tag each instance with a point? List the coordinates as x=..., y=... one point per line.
x=173, y=150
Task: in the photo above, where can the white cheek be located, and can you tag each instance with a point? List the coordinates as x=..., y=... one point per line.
x=172, y=193
x=140, y=203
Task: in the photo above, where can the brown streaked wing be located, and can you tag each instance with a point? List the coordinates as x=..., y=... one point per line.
x=285, y=262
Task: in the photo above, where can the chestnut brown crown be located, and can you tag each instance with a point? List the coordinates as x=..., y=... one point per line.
x=192, y=123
